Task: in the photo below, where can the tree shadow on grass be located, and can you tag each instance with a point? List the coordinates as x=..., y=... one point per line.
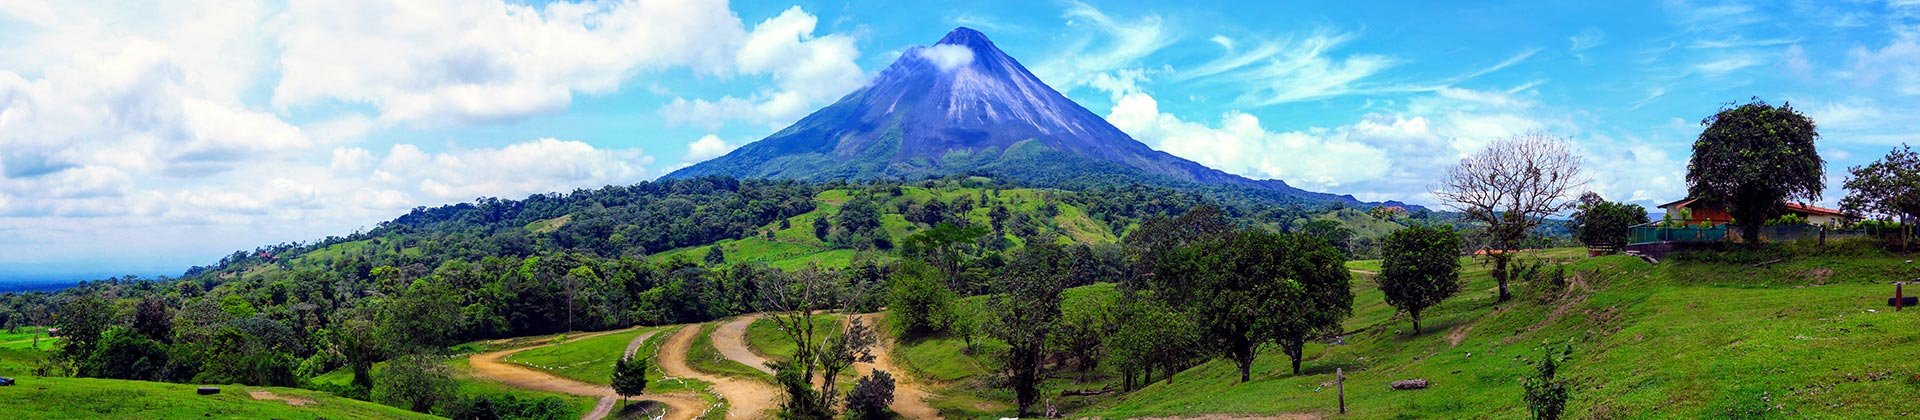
x=640, y=409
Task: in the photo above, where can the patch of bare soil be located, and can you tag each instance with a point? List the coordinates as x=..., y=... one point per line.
x=748, y=399
x=269, y=395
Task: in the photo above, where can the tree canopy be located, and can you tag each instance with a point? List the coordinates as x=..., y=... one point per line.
x=1421, y=268
x=1598, y=222
x=1752, y=159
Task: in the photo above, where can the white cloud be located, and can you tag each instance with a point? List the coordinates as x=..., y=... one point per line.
x=1293, y=69
x=1723, y=65
x=1897, y=64
x=808, y=71
x=451, y=61
x=707, y=147
x=512, y=171
x=1239, y=144
x=1114, y=44
x=947, y=57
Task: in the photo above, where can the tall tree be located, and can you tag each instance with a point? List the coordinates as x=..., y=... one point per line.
x=1511, y=186
x=1421, y=268
x=1025, y=313
x=1888, y=188
x=81, y=322
x=1752, y=159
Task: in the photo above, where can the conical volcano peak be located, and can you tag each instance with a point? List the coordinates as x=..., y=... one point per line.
x=962, y=106
x=967, y=37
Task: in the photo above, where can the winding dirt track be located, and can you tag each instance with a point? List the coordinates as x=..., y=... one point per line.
x=909, y=395
x=491, y=366
x=731, y=340
x=747, y=398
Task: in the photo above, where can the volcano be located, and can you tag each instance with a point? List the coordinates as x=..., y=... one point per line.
x=963, y=107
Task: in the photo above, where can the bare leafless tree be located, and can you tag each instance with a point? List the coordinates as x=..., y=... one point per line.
x=791, y=300
x=1511, y=186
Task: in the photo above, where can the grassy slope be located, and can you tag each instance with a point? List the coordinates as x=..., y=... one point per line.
x=587, y=360
x=28, y=338
x=1683, y=339
x=795, y=246
x=68, y=398
x=967, y=389
x=764, y=336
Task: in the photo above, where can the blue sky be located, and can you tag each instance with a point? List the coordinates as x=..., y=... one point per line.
x=145, y=139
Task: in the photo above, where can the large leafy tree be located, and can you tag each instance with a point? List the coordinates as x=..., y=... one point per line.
x=1888, y=188
x=1511, y=186
x=1253, y=288
x=81, y=322
x=1752, y=159
x=1599, y=222
x=1025, y=314
x=1420, y=269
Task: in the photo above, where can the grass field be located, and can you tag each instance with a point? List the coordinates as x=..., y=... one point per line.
x=28, y=338
x=587, y=360
x=764, y=336
x=73, y=398
x=1711, y=337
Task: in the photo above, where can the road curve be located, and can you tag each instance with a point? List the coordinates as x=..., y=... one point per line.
x=492, y=366
x=731, y=340
x=909, y=395
x=746, y=398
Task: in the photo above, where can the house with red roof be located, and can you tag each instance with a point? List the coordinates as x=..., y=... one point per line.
x=1696, y=212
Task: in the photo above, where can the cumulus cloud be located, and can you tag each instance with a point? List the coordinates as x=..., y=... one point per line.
x=707, y=147
x=946, y=56
x=807, y=70
x=514, y=170
x=1239, y=144
x=451, y=61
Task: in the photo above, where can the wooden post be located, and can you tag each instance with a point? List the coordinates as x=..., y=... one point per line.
x=1898, y=300
x=1340, y=384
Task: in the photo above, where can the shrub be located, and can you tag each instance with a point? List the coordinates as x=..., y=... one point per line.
x=1546, y=392
x=870, y=396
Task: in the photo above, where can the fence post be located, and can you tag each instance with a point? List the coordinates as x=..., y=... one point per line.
x=1823, y=238
x=1340, y=384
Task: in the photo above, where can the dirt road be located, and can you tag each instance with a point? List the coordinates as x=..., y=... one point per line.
x=909, y=395
x=492, y=366
x=731, y=340
x=746, y=398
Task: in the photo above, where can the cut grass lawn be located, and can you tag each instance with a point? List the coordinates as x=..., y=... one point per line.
x=74, y=398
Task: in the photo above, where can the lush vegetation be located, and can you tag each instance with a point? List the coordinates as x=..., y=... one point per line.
x=1752, y=159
